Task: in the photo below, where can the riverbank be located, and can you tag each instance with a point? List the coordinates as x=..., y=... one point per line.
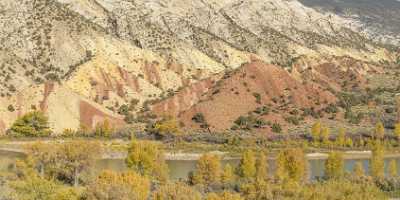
x=117, y=149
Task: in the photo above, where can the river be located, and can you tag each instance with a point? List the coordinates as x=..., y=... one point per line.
x=179, y=169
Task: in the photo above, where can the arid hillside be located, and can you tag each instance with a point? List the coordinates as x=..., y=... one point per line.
x=84, y=61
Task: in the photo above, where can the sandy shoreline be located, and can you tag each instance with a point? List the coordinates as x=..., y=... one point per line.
x=17, y=147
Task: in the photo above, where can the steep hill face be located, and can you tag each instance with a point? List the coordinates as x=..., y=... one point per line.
x=103, y=54
x=271, y=94
x=255, y=86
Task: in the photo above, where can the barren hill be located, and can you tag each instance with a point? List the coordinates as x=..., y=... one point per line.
x=81, y=60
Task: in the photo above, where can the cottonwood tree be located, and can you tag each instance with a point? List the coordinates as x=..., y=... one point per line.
x=247, y=167
x=379, y=131
x=291, y=165
x=334, y=165
x=176, y=191
x=111, y=185
x=228, y=175
x=262, y=167
x=325, y=135
x=147, y=159
x=66, y=161
x=358, y=169
x=377, y=161
x=224, y=196
x=43, y=156
x=316, y=131
x=392, y=168
x=341, y=138
x=75, y=157
x=208, y=170
x=397, y=130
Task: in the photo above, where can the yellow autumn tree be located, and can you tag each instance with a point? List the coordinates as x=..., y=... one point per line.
x=224, y=196
x=43, y=157
x=379, y=131
x=377, y=161
x=228, y=175
x=176, y=191
x=166, y=127
x=208, y=170
x=392, y=168
x=262, y=167
x=358, y=169
x=75, y=158
x=247, y=167
x=119, y=186
x=341, y=138
x=397, y=131
x=334, y=165
x=147, y=159
x=325, y=135
x=103, y=129
x=291, y=165
x=316, y=131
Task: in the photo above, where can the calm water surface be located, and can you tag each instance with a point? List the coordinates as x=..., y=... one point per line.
x=179, y=169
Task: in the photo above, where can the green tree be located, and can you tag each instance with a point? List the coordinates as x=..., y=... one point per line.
x=379, y=131
x=208, y=170
x=358, y=169
x=111, y=185
x=176, y=191
x=247, y=166
x=377, y=161
x=147, y=158
x=33, y=124
x=291, y=165
x=392, y=168
x=334, y=165
x=316, y=131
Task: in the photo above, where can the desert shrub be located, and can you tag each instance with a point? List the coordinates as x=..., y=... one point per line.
x=276, y=128
x=199, y=118
x=165, y=127
x=262, y=110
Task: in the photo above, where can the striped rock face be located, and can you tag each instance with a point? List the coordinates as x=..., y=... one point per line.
x=80, y=61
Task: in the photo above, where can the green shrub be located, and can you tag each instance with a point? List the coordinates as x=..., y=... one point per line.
x=276, y=128
x=33, y=124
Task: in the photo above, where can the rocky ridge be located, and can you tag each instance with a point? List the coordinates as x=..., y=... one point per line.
x=87, y=58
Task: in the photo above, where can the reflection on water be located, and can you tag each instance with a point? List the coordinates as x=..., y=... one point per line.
x=316, y=167
x=179, y=169
x=8, y=159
